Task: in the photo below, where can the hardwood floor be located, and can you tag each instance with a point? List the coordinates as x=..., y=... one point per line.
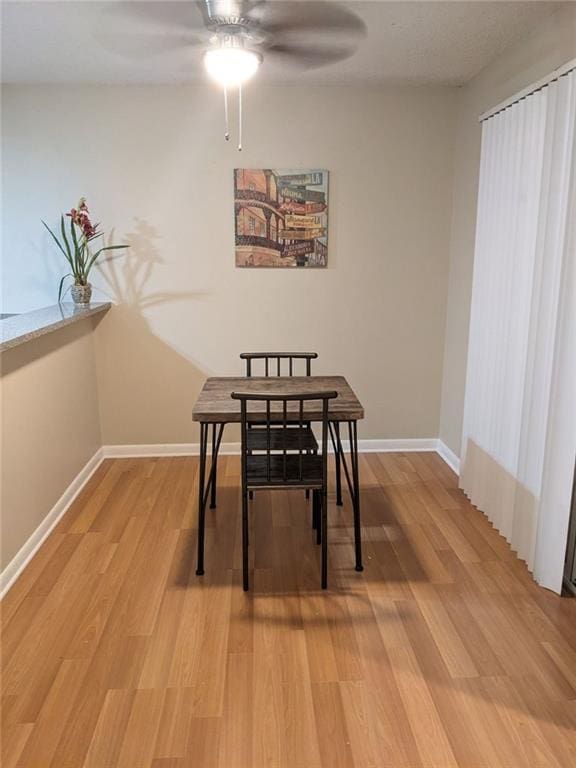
x=442, y=653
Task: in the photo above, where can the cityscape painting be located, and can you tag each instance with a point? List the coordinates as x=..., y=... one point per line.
x=281, y=217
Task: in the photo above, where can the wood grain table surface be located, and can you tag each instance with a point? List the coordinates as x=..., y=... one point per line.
x=215, y=404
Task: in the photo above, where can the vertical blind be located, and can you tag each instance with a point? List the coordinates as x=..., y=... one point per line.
x=519, y=435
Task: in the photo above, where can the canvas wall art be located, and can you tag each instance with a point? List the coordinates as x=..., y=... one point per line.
x=281, y=217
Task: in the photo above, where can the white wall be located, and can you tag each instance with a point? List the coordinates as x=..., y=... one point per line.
x=548, y=47
x=154, y=166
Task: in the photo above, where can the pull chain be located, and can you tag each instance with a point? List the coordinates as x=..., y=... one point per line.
x=226, y=130
x=226, y=120
x=240, y=118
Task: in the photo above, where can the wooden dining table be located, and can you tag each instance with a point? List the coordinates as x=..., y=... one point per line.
x=215, y=408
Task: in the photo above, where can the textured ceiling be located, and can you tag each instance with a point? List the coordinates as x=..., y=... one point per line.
x=84, y=41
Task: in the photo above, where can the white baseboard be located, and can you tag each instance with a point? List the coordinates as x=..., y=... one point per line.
x=33, y=544
x=163, y=449
x=448, y=455
x=402, y=445
x=232, y=449
x=27, y=552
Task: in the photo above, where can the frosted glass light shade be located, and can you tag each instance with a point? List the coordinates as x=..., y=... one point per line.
x=231, y=66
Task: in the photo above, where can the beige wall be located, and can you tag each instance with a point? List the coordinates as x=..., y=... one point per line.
x=50, y=427
x=550, y=46
x=153, y=164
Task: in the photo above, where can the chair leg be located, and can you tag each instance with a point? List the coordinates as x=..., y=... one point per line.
x=314, y=511
x=245, y=580
x=324, y=540
x=316, y=514
x=250, y=495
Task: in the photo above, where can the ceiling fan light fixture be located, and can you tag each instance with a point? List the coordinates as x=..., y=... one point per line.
x=231, y=66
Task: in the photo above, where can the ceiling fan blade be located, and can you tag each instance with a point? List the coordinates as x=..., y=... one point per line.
x=281, y=17
x=305, y=57
x=139, y=30
x=142, y=46
x=157, y=15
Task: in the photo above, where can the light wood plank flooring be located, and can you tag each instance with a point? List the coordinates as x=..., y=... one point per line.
x=442, y=653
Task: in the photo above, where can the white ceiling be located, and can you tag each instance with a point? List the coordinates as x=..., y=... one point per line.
x=405, y=42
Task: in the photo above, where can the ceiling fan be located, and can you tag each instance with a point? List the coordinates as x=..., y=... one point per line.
x=239, y=35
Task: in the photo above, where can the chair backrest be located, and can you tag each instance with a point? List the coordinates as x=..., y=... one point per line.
x=272, y=362
x=273, y=412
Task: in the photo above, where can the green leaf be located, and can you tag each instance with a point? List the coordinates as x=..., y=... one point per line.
x=91, y=262
x=95, y=256
x=64, y=238
x=61, y=285
x=58, y=243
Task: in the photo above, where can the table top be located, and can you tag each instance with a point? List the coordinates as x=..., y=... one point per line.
x=215, y=404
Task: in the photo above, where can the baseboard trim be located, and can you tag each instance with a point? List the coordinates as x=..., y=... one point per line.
x=163, y=449
x=403, y=445
x=232, y=449
x=448, y=455
x=33, y=544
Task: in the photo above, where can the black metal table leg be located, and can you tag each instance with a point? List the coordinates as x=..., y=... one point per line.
x=201, y=498
x=353, y=434
x=214, y=469
x=338, y=470
x=206, y=488
x=352, y=480
x=334, y=427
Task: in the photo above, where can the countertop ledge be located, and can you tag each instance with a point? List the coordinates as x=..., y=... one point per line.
x=19, y=329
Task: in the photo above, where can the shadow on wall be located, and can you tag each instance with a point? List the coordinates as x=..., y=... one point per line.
x=141, y=380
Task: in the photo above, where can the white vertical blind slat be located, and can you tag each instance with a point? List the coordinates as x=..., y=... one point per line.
x=560, y=450
x=521, y=259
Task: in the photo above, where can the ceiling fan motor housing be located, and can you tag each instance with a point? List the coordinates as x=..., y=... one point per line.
x=231, y=25
x=231, y=14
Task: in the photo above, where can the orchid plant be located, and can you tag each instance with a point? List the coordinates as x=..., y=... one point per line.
x=76, y=246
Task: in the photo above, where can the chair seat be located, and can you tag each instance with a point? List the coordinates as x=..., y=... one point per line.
x=284, y=471
x=290, y=439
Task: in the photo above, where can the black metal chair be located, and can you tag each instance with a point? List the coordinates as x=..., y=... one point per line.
x=284, y=364
x=274, y=364
x=294, y=365
x=286, y=465
x=273, y=361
